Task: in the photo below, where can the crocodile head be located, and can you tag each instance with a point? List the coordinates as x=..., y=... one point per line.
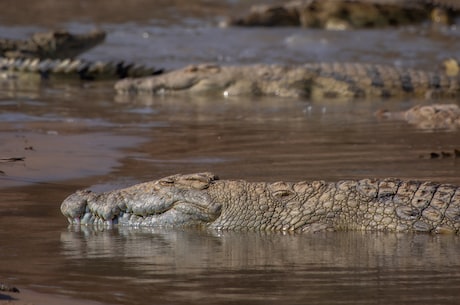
x=179, y=200
x=57, y=45
x=202, y=200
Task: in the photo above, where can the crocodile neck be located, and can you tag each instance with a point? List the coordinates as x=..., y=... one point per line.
x=391, y=205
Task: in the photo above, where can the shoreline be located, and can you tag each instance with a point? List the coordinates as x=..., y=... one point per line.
x=31, y=297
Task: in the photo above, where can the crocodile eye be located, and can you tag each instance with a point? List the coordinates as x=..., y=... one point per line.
x=61, y=34
x=283, y=194
x=166, y=182
x=281, y=190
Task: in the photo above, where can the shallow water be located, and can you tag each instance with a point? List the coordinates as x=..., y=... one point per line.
x=76, y=135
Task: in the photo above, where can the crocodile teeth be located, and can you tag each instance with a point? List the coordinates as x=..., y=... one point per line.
x=62, y=66
x=46, y=65
x=34, y=65
x=87, y=219
x=73, y=66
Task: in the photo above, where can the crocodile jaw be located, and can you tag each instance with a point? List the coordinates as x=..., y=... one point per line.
x=159, y=203
x=176, y=214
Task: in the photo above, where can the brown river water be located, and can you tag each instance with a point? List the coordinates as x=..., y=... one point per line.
x=81, y=135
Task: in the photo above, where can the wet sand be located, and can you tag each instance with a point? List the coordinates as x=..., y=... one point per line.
x=30, y=297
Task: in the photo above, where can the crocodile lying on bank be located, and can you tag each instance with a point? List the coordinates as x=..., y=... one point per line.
x=52, y=55
x=435, y=116
x=202, y=200
x=313, y=80
x=348, y=14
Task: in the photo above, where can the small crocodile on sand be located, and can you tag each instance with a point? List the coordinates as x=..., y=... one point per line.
x=349, y=14
x=428, y=117
x=311, y=80
x=202, y=200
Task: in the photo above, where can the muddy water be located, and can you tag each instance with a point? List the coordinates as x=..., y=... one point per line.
x=74, y=135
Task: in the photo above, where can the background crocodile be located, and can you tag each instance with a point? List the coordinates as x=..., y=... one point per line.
x=202, y=200
x=313, y=80
x=435, y=116
x=346, y=14
x=52, y=55
x=33, y=68
x=53, y=44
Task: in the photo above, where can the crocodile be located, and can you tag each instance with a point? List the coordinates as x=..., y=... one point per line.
x=52, y=45
x=428, y=117
x=311, y=80
x=35, y=68
x=202, y=200
x=348, y=14
x=52, y=55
